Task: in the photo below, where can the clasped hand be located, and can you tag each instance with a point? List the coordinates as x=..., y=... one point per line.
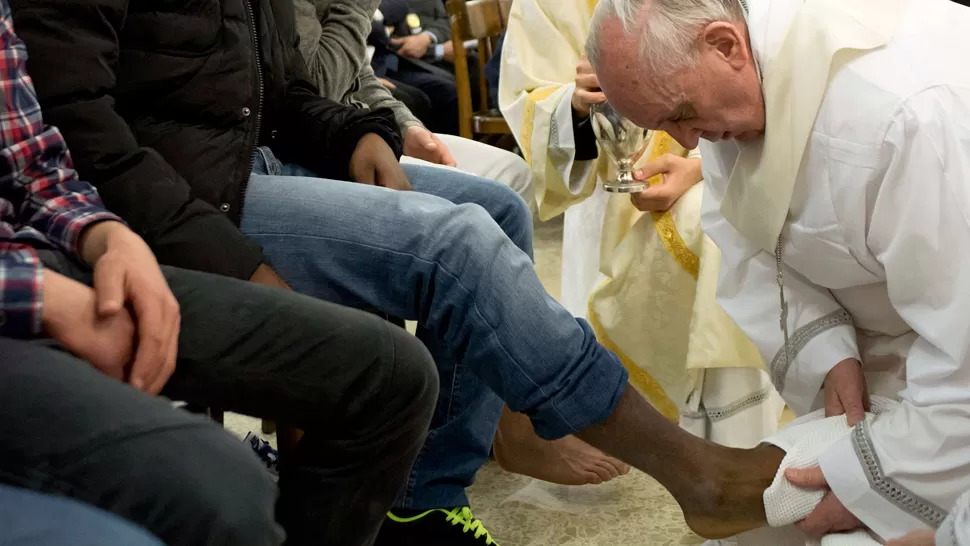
x=127, y=324
x=845, y=392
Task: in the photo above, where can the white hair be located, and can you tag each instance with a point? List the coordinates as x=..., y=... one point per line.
x=668, y=29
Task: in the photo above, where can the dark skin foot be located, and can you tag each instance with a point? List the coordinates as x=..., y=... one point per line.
x=719, y=489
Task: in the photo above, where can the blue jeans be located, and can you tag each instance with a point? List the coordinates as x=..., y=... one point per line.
x=455, y=256
x=32, y=519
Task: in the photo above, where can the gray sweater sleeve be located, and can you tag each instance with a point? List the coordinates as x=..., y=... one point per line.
x=335, y=50
x=333, y=41
x=373, y=93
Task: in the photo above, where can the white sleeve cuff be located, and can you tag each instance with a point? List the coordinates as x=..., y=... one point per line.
x=813, y=359
x=848, y=480
x=562, y=145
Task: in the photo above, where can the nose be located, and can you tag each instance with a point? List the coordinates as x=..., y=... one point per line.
x=686, y=136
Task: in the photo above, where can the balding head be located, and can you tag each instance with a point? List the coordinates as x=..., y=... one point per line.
x=674, y=26
x=683, y=66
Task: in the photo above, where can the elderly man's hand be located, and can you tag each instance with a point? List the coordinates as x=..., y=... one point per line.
x=588, y=90
x=830, y=516
x=846, y=391
x=679, y=175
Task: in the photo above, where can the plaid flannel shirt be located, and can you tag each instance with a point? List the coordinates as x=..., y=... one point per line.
x=43, y=205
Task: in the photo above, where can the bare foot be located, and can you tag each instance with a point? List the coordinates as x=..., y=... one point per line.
x=719, y=489
x=567, y=461
x=729, y=498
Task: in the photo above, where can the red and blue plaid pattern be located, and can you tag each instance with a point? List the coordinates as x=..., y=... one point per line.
x=42, y=202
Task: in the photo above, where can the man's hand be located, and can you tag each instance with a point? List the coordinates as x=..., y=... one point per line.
x=423, y=144
x=127, y=276
x=830, y=516
x=448, y=51
x=846, y=391
x=925, y=537
x=374, y=164
x=265, y=275
x=412, y=47
x=70, y=315
x=588, y=90
x=387, y=83
x=679, y=175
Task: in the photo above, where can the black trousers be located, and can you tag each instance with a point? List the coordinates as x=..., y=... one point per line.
x=416, y=100
x=362, y=389
x=438, y=83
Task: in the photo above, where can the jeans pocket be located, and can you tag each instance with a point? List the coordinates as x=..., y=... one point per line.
x=265, y=162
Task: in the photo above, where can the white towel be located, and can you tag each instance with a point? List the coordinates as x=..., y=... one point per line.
x=955, y=530
x=803, y=441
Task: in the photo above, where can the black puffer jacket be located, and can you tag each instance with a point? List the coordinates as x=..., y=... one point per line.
x=163, y=101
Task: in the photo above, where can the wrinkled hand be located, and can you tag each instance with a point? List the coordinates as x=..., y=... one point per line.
x=679, y=175
x=127, y=276
x=423, y=144
x=412, y=47
x=375, y=164
x=830, y=516
x=588, y=90
x=70, y=315
x=846, y=391
x=916, y=538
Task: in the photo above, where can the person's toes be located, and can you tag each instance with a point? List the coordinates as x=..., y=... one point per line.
x=611, y=470
x=621, y=467
x=601, y=470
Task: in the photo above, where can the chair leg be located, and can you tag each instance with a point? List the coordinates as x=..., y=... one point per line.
x=269, y=427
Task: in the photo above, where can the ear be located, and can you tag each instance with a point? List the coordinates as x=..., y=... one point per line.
x=726, y=41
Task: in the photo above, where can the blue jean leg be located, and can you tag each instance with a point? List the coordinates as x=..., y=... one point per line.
x=32, y=519
x=448, y=266
x=468, y=411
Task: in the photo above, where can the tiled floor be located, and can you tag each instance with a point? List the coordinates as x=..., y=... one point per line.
x=519, y=511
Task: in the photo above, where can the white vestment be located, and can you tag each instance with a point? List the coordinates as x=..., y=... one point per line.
x=646, y=282
x=876, y=259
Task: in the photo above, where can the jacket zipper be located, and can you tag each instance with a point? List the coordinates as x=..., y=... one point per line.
x=259, y=79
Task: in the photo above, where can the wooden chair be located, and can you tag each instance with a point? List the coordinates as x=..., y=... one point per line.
x=482, y=20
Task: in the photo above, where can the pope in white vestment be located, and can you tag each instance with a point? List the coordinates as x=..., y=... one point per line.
x=857, y=199
x=644, y=281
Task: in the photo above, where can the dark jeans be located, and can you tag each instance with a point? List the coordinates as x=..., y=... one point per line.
x=362, y=389
x=31, y=519
x=440, y=89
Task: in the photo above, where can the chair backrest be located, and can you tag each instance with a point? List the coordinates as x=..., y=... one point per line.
x=484, y=21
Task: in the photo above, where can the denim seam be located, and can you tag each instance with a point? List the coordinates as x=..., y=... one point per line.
x=455, y=400
x=569, y=424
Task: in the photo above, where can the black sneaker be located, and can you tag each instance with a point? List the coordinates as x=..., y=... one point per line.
x=438, y=527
